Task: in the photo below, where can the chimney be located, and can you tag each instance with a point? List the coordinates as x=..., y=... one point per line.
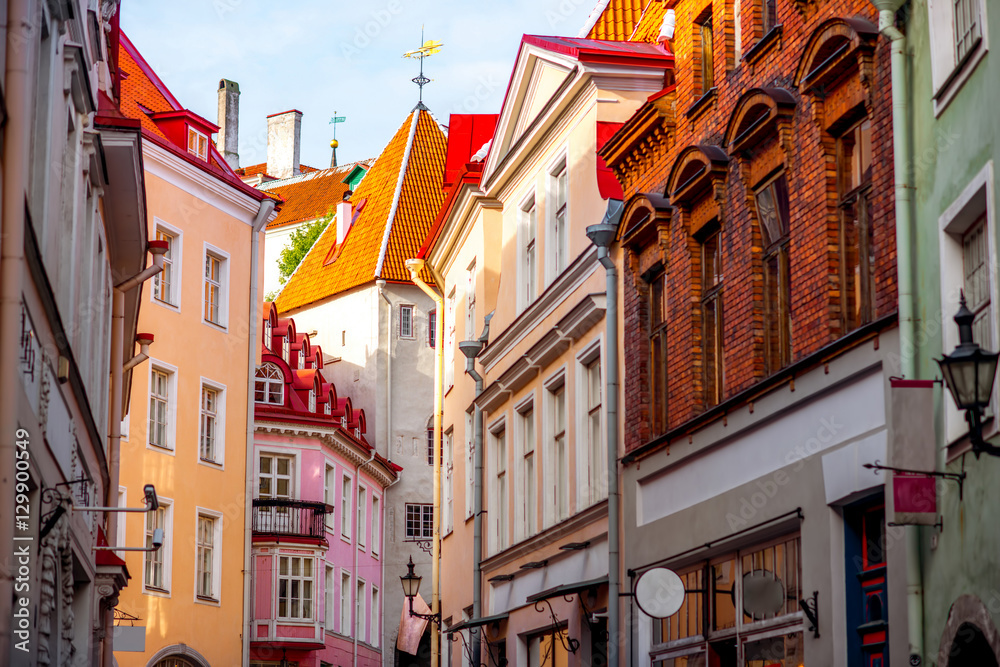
x=345, y=213
x=284, y=131
x=229, y=122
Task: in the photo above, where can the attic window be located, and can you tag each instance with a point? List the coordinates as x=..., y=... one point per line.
x=197, y=144
x=328, y=409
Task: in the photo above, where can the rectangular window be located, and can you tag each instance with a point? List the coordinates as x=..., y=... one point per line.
x=430, y=446
x=406, y=321
x=214, y=289
x=711, y=318
x=529, y=225
x=375, y=617
x=345, y=603
x=529, y=480
x=499, y=455
x=419, y=521
x=345, y=507
x=772, y=214
x=470, y=302
x=447, y=490
x=432, y=328
x=976, y=277
x=159, y=408
x=558, y=461
x=330, y=597
x=330, y=494
x=376, y=523
x=275, y=477
x=156, y=577
x=658, y=318
x=769, y=15
x=205, y=557
x=968, y=27
x=857, y=248
x=197, y=144
x=163, y=282
x=596, y=454
x=209, y=424
x=560, y=187
x=449, y=349
x=549, y=649
x=295, y=587
x=359, y=612
x=469, y=467
x=362, y=508
x=707, y=65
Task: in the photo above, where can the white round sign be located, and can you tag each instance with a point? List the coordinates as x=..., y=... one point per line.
x=659, y=592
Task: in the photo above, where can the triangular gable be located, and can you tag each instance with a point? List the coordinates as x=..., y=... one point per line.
x=546, y=78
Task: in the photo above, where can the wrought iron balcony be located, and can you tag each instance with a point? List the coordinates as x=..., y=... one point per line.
x=296, y=518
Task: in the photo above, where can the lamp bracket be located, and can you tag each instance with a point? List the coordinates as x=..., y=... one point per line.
x=810, y=607
x=467, y=649
x=570, y=644
x=953, y=476
x=425, y=546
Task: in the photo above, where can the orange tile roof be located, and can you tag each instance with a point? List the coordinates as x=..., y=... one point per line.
x=139, y=91
x=648, y=28
x=618, y=20
x=382, y=238
x=309, y=197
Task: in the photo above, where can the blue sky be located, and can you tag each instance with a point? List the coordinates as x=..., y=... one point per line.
x=320, y=57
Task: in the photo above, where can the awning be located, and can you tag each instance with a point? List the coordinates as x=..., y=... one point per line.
x=476, y=622
x=567, y=589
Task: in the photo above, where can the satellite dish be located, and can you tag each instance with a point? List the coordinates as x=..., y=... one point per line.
x=763, y=593
x=659, y=592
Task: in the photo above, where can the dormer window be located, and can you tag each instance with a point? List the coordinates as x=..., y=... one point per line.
x=343, y=421
x=357, y=433
x=286, y=349
x=197, y=144
x=267, y=334
x=328, y=409
x=269, y=385
x=312, y=400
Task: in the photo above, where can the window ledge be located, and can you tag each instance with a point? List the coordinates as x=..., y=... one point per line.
x=763, y=45
x=166, y=304
x=215, y=325
x=702, y=104
x=204, y=599
x=956, y=80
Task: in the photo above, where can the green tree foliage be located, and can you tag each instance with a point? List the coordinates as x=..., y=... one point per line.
x=301, y=241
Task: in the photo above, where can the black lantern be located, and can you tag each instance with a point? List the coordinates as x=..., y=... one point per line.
x=969, y=373
x=411, y=586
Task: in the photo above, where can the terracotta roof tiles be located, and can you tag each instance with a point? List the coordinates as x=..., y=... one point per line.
x=619, y=19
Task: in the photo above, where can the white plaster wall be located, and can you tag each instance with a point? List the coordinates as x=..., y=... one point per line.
x=276, y=240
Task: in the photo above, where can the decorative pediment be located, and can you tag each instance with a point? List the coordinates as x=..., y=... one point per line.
x=646, y=219
x=837, y=49
x=696, y=172
x=544, y=80
x=759, y=114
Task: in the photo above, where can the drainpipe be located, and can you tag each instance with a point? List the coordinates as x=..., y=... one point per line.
x=263, y=214
x=471, y=349
x=415, y=266
x=15, y=168
x=904, y=270
x=380, y=283
x=603, y=235
x=358, y=608
x=157, y=249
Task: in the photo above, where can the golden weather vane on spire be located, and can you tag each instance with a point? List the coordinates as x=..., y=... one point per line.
x=429, y=48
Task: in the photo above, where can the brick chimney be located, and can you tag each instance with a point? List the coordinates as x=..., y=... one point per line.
x=284, y=131
x=229, y=122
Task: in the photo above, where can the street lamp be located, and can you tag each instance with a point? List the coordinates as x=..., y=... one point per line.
x=969, y=373
x=411, y=586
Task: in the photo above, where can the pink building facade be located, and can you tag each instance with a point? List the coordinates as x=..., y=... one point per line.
x=318, y=513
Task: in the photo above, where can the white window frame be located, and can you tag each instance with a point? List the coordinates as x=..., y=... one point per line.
x=423, y=513
x=216, y=594
x=556, y=237
x=224, y=263
x=404, y=332
x=470, y=473
x=948, y=75
x=293, y=477
x=470, y=301
x=362, y=503
x=346, y=506
x=374, y=630
x=360, y=612
x=165, y=551
x=330, y=494
x=978, y=197
x=329, y=596
x=376, y=523
x=219, y=462
x=551, y=466
x=527, y=290
x=171, y=430
x=176, y=262
x=447, y=519
x=346, y=600
x=449, y=342
x=267, y=384
x=301, y=578
x=497, y=476
x=591, y=473
x=201, y=143
x=526, y=485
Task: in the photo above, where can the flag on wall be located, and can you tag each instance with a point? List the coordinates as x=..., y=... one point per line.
x=912, y=496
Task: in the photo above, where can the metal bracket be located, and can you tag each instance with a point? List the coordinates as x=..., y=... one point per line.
x=570, y=644
x=953, y=476
x=124, y=616
x=426, y=546
x=467, y=649
x=810, y=607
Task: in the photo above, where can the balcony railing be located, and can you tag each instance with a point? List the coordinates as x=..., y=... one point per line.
x=298, y=518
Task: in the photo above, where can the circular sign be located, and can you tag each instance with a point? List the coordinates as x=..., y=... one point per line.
x=763, y=593
x=659, y=592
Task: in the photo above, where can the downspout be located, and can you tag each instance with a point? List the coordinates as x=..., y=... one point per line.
x=904, y=272
x=15, y=168
x=358, y=607
x=602, y=236
x=415, y=266
x=380, y=283
x=263, y=213
x=157, y=249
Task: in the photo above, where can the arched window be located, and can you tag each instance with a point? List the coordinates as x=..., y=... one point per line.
x=267, y=333
x=269, y=386
x=312, y=400
x=286, y=349
x=174, y=662
x=328, y=409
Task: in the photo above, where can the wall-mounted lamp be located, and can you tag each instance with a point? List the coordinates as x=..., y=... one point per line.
x=411, y=586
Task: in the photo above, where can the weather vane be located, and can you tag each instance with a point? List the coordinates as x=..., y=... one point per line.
x=429, y=48
x=334, y=121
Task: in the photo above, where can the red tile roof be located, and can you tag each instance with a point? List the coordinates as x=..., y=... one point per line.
x=255, y=169
x=390, y=227
x=309, y=197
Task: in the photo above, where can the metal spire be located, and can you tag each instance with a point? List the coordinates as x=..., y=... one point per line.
x=429, y=48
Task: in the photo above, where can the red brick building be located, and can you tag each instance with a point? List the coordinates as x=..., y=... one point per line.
x=759, y=304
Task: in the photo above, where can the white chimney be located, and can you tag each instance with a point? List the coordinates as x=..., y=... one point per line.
x=229, y=122
x=284, y=131
x=345, y=212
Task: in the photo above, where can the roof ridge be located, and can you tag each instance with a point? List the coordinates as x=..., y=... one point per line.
x=396, y=195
